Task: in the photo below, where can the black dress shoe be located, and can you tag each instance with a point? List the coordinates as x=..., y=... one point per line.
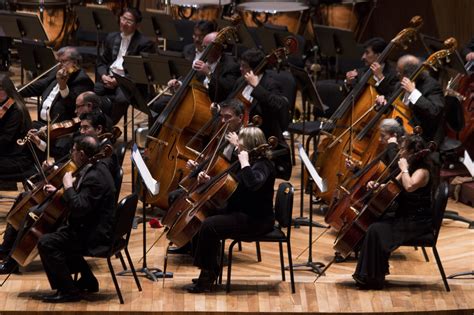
x=88, y=285
x=63, y=297
x=186, y=249
x=9, y=266
x=204, y=283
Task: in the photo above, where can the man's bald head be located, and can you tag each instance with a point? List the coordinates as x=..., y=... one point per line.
x=407, y=64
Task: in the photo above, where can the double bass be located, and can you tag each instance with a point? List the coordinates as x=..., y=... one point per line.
x=168, y=142
x=358, y=103
x=365, y=146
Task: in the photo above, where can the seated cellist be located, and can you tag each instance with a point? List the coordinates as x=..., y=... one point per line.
x=412, y=218
x=249, y=210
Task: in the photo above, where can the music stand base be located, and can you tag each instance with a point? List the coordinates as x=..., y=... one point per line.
x=303, y=221
x=460, y=274
x=316, y=267
x=453, y=215
x=150, y=273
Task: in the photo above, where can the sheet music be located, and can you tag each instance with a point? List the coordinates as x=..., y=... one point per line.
x=151, y=184
x=468, y=163
x=312, y=171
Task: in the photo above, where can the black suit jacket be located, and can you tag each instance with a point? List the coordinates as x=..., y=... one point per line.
x=62, y=108
x=91, y=208
x=223, y=79
x=139, y=43
x=428, y=111
x=268, y=102
x=189, y=52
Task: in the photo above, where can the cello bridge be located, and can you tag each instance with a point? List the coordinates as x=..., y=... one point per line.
x=33, y=216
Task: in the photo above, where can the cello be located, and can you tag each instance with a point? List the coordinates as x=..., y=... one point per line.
x=462, y=88
x=167, y=145
x=369, y=212
x=364, y=147
x=52, y=215
x=207, y=198
x=356, y=104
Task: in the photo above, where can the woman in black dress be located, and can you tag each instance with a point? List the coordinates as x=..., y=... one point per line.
x=249, y=210
x=14, y=124
x=413, y=215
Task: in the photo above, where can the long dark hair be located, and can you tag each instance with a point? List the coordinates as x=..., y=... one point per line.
x=421, y=157
x=7, y=85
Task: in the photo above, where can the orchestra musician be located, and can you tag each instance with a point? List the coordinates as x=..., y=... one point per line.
x=15, y=121
x=218, y=74
x=231, y=112
x=90, y=200
x=263, y=93
x=129, y=41
x=412, y=218
x=59, y=89
x=194, y=50
x=249, y=210
x=424, y=97
x=86, y=102
x=468, y=51
x=381, y=72
x=191, y=52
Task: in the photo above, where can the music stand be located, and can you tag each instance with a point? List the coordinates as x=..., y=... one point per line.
x=155, y=23
x=244, y=38
x=310, y=95
x=313, y=178
x=164, y=67
x=35, y=57
x=336, y=42
x=23, y=25
x=270, y=37
x=152, y=186
x=99, y=20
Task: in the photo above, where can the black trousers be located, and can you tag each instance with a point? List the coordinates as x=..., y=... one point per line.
x=61, y=253
x=382, y=239
x=225, y=226
x=117, y=104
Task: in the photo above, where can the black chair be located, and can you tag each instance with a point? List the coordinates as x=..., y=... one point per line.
x=20, y=177
x=283, y=215
x=120, y=151
x=430, y=239
x=121, y=235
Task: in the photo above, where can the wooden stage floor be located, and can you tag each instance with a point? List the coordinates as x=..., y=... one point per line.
x=414, y=286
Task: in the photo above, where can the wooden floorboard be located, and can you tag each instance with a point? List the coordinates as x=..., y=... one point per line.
x=414, y=286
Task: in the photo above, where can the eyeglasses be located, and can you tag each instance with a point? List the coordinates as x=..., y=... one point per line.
x=126, y=21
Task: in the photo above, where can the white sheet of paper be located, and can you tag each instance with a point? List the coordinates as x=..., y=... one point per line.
x=468, y=163
x=151, y=184
x=312, y=171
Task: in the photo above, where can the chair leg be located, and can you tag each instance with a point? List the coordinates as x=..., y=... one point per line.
x=282, y=262
x=425, y=254
x=240, y=246
x=229, y=265
x=259, y=252
x=290, y=263
x=122, y=261
x=114, y=278
x=292, y=148
x=221, y=266
x=440, y=267
x=132, y=268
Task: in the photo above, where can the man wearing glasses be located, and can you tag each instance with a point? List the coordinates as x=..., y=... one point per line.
x=129, y=41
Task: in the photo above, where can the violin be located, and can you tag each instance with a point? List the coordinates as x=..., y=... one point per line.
x=56, y=130
x=6, y=106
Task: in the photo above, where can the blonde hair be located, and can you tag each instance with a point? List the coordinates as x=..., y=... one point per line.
x=251, y=137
